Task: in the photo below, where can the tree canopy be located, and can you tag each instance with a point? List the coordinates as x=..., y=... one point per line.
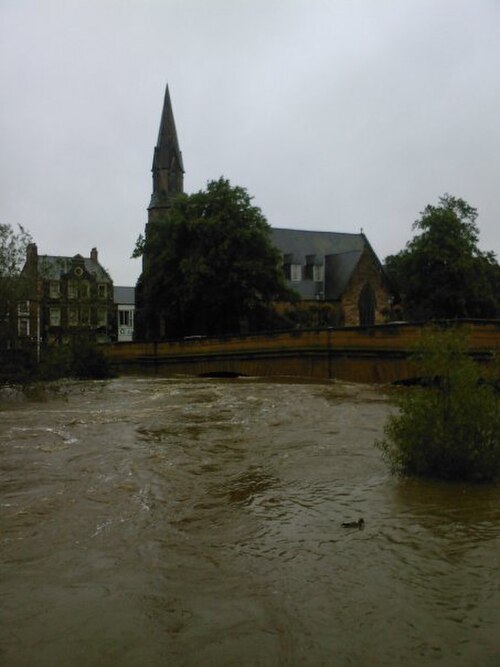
x=441, y=273
x=12, y=255
x=208, y=266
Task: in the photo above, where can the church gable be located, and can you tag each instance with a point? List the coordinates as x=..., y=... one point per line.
x=366, y=298
x=336, y=268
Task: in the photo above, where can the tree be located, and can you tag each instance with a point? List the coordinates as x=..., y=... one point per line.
x=441, y=273
x=209, y=266
x=450, y=427
x=12, y=255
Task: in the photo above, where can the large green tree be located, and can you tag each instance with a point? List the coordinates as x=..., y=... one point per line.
x=441, y=273
x=13, y=245
x=209, y=267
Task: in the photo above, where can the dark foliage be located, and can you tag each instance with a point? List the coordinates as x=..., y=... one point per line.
x=209, y=267
x=12, y=290
x=83, y=359
x=442, y=274
x=448, y=428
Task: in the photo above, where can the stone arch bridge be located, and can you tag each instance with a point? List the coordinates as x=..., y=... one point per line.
x=376, y=354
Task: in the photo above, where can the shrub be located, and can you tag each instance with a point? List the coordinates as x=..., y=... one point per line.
x=89, y=362
x=450, y=427
x=83, y=359
x=55, y=362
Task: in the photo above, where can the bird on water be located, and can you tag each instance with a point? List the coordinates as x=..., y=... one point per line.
x=360, y=523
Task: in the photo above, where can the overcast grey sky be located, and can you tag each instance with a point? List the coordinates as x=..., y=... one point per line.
x=334, y=114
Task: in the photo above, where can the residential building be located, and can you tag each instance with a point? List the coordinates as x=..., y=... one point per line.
x=68, y=297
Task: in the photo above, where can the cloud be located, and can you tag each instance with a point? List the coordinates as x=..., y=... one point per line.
x=334, y=115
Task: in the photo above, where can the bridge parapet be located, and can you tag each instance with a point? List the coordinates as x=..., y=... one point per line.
x=363, y=354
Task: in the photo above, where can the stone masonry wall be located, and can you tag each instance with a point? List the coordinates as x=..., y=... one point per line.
x=367, y=271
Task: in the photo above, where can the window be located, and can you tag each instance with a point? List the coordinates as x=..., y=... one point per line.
x=24, y=327
x=72, y=289
x=318, y=274
x=102, y=317
x=126, y=318
x=101, y=290
x=55, y=317
x=23, y=308
x=295, y=273
x=54, y=289
x=72, y=316
x=84, y=289
x=84, y=316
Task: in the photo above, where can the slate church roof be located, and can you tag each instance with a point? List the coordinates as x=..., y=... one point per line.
x=339, y=254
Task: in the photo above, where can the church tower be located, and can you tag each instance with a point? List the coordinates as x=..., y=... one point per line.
x=168, y=170
x=168, y=177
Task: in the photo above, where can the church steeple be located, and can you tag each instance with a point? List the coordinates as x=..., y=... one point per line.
x=168, y=170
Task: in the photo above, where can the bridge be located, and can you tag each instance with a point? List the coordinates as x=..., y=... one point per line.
x=376, y=354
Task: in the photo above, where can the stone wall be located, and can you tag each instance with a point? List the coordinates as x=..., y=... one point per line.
x=367, y=271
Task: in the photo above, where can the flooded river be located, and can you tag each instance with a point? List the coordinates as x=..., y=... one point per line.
x=194, y=522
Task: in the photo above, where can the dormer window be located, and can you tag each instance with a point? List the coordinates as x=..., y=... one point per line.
x=318, y=273
x=295, y=273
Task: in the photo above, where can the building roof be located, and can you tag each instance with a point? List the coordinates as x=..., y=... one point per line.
x=338, y=270
x=124, y=295
x=302, y=243
x=52, y=267
x=339, y=252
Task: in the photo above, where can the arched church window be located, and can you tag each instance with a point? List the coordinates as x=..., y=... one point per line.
x=367, y=304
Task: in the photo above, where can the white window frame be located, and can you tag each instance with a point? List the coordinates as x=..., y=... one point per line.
x=54, y=289
x=23, y=326
x=55, y=317
x=72, y=316
x=72, y=289
x=318, y=273
x=84, y=289
x=102, y=317
x=295, y=273
x=23, y=308
x=126, y=317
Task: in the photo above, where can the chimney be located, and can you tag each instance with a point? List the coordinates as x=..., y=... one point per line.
x=31, y=253
x=93, y=254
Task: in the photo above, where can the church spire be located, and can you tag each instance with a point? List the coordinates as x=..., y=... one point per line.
x=168, y=169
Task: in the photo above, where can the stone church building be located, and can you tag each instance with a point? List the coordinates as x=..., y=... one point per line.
x=338, y=276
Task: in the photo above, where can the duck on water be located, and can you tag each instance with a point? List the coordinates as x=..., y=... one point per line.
x=360, y=523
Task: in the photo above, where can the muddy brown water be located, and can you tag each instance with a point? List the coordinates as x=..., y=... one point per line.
x=197, y=522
